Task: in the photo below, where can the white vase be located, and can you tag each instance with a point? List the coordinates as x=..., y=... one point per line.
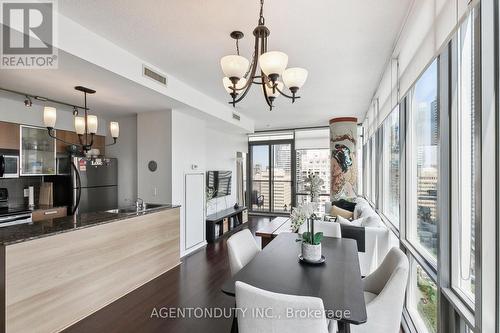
x=311, y=252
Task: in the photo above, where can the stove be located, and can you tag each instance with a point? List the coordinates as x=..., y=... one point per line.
x=11, y=215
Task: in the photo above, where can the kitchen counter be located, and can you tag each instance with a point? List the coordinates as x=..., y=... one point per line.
x=29, y=231
x=73, y=266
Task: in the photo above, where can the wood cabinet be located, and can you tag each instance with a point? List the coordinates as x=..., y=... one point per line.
x=72, y=137
x=48, y=213
x=9, y=136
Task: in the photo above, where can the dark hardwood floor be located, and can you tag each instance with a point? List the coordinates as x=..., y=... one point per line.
x=193, y=284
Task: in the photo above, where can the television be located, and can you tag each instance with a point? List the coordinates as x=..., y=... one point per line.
x=219, y=182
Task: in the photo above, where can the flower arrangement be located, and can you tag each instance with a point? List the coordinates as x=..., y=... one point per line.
x=313, y=185
x=300, y=214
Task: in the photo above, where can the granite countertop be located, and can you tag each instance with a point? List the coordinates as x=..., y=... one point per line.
x=24, y=232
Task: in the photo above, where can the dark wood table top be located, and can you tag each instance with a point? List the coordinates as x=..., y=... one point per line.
x=337, y=282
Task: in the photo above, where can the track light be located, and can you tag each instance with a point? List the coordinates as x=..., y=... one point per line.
x=27, y=102
x=75, y=111
x=40, y=98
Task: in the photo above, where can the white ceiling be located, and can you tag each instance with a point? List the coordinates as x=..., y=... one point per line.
x=344, y=45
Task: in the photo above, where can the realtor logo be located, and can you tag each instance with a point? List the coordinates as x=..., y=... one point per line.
x=28, y=31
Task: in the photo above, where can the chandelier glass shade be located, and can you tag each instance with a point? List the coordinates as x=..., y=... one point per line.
x=265, y=68
x=85, y=126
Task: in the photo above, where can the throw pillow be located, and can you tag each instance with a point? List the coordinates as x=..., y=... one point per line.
x=344, y=204
x=361, y=209
x=355, y=223
x=336, y=211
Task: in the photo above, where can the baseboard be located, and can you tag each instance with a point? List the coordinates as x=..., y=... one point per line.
x=193, y=249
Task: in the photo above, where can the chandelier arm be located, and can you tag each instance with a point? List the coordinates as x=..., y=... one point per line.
x=283, y=94
x=265, y=94
x=110, y=144
x=252, y=74
x=51, y=134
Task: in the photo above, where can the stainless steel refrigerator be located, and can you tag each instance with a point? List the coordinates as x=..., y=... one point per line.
x=95, y=184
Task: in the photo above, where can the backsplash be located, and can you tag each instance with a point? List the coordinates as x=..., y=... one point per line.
x=16, y=187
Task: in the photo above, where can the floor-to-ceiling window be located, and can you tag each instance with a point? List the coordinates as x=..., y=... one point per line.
x=270, y=187
x=423, y=164
x=315, y=162
x=391, y=177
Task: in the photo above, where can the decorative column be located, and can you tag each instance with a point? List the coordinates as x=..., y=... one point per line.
x=344, y=163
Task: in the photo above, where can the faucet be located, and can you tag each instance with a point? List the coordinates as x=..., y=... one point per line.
x=139, y=204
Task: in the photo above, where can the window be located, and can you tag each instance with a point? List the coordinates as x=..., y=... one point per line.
x=313, y=161
x=465, y=164
x=372, y=170
x=366, y=171
x=423, y=165
x=422, y=299
x=391, y=167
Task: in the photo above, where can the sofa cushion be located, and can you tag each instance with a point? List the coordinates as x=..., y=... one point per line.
x=345, y=204
x=337, y=211
x=362, y=209
x=356, y=223
x=372, y=221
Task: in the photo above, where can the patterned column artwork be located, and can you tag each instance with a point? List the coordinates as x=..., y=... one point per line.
x=344, y=163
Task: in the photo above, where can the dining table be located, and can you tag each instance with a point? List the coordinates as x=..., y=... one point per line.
x=337, y=281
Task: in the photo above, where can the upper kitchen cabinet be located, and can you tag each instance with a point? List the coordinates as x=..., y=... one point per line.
x=9, y=136
x=38, y=152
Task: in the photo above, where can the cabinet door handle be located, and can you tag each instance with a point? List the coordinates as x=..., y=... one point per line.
x=50, y=212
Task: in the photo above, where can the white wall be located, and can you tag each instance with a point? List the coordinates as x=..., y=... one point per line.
x=154, y=142
x=220, y=153
x=126, y=151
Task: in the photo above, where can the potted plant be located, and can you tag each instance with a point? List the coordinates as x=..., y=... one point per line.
x=311, y=241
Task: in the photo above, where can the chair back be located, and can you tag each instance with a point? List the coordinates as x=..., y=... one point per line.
x=241, y=249
x=329, y=229
x=388, y=282
x=267, y=312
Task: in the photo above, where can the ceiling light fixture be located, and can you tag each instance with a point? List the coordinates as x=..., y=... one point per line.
x=240, y=74
x=85, y=127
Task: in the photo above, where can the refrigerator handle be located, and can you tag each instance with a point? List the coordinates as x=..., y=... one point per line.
x=78, y=189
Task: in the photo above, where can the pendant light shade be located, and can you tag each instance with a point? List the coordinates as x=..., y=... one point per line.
x=234, y=66
x=227, y=84
x=276, y=93
x=80, y=125
x=114, y=129
x=92, y=124
x=49, y=116
x=273, y=62
x=294, y=77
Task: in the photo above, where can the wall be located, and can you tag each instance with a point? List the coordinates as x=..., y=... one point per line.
x=220, y=153
x=125, y=150
x=154, y=142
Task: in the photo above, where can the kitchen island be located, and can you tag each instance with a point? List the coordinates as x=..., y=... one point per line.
x=56, y=272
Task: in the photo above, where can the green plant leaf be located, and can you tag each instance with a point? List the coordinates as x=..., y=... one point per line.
x=306, y=237
x=317, y=238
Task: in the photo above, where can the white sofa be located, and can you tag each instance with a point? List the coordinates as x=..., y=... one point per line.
x=377, y=238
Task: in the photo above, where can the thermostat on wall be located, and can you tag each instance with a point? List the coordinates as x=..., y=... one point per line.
x=194, y=166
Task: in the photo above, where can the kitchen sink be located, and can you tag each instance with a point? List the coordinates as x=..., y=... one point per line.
x=135, y=210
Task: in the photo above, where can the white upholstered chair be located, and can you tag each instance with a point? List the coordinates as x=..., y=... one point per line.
x=329, y=229
x=241, y=248
x=286, y=312
x=384, y=295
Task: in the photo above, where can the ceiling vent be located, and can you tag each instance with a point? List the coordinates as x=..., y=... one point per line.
x=160, y=78
x=236, y=116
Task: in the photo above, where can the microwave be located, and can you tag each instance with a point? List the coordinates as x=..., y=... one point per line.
x=9, y=166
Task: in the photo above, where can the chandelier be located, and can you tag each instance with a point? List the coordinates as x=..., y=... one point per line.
x=240, y=74
x=85, y=127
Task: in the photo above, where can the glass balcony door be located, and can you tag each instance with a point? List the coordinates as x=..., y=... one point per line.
x=271, y=177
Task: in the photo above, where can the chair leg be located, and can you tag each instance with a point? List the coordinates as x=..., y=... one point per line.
x=234, y=326
x=344, y=327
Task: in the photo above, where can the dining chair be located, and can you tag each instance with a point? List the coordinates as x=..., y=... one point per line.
x=384, y=292
x=241, y=248
x=267, y=312
x=329, y=229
